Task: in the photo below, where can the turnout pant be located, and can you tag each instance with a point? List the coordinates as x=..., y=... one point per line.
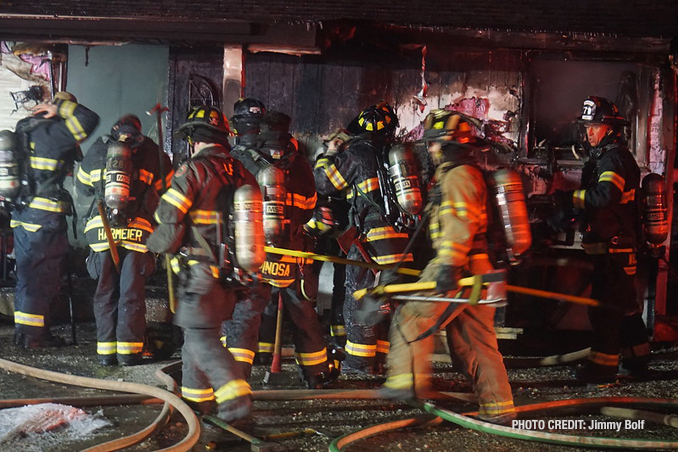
x=473, y=348
x=617, y=330
x=120, y=300
x=39, y=267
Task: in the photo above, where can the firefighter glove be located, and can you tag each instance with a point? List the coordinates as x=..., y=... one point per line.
x=561, y=200
x=447, y=279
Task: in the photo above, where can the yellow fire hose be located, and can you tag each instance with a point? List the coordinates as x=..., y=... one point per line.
x=423, y=286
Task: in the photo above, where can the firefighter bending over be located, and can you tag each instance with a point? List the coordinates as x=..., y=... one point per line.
x=194, y=226
x=457, y=229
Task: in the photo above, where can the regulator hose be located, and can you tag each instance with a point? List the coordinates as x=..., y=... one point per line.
x=168, y=397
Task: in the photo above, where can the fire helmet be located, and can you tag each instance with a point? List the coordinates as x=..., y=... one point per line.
x=598, y=110
x=207, y=124
x=378, y=119
x=447, y=126
x=127, y=127
x=247, y=114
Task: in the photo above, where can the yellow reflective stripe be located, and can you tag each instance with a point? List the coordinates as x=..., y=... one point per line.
x=323, y=162
x=297, y=200
x=242, y=355
x=279, y=282
x=266, y=347
x=24, y=318
x=614, y=178
x=232, y=390
x=311, y=359
x=146, y=176
x=174, y=263
x=141, y=223
x=30, y=227
x=44, y=163
x=66, y=110
x=402, y=381
x=130, y=348
x=383, y=346
x=224, y=341
x=204, y=216
x=83, y=177
x=603, y=359
x=363, y=350
x=99, y=247
x=579, y=199
x=462, y=210
x=369, y=185
x=337, y=330
x=335, y=177
x=107, y=348
x=393, y=258
x=496, y=408
x=197, y=395
x=384, y=233
x=133, y=246
x=48, y=205
x=453, y=249
x=175, y=198
x=628, y=196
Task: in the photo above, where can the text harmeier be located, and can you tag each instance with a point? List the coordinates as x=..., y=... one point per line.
x=577, y=424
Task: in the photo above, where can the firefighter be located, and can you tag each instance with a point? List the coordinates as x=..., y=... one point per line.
x=351, y=170
x=247, y=114
x=607, y=203
x=287, y=277
x=51, y=137
x=120, y=297
x=188, y=219
x=457, y=228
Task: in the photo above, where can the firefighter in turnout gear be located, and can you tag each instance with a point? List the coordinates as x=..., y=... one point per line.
x=50, y=138
x=189, y=227
x=607, y=201
x=457, y=229
x=247, y=114
x=282, y=169
x=354, y=170
x=120, y=298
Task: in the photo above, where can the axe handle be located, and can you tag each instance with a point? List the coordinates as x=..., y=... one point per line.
x=407, y=287
x=109, y=236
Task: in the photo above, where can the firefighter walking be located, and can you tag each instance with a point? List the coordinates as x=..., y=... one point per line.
x=351, y=170
x=457, y=229
x=190, y=220
x=50, y=137
x=607, y=201
x=122, y=170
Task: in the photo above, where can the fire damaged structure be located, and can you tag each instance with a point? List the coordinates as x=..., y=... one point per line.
x=522, y=70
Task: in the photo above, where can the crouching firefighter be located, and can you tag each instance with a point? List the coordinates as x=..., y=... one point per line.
x=210, y=220
x=48, y=141
x=122, y=171
x=286, y=181
x=457, y=228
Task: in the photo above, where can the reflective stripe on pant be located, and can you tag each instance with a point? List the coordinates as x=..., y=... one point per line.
x=242, y=331
x=39, y=267
x=307, y=335
x=206, y=365
x=120, y=300
x=615, y=329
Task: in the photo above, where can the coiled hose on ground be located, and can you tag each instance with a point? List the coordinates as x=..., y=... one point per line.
x=170, y=401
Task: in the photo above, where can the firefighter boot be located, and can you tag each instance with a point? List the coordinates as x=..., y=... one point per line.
x=237, y=409
x=595, y=373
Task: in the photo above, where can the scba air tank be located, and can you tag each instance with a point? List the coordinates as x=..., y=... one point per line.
x=248, y=228
x=655, y=213
x=10, y=182
x=508, y=198
x=272, y=183
x=403, y=172
x=118, y=176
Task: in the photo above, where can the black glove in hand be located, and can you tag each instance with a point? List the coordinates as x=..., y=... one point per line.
x=447, y=279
